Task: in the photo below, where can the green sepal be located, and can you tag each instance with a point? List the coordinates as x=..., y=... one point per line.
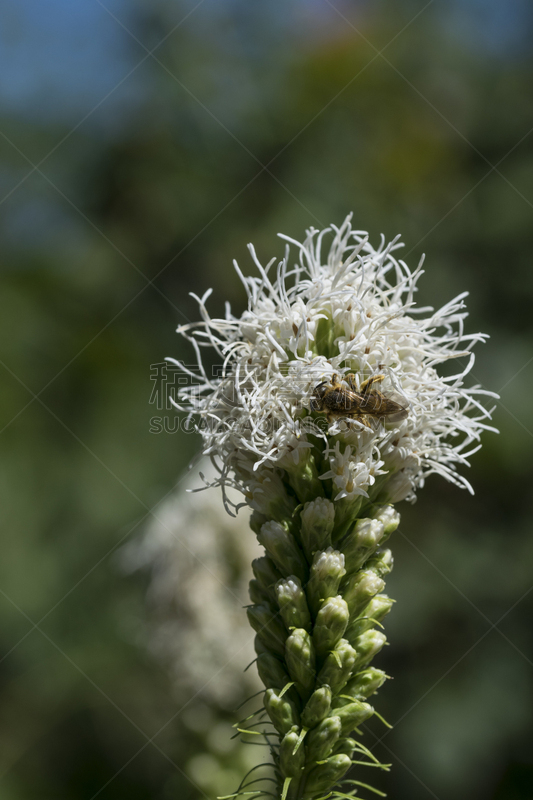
x=330, y=625
x=268, y=627
x=327, y=571
x=281, y=710
x=300, y=659
x=282, y=548
x=293, y=603
x=317, y=707
x=292, y=754
x=338, y=666
x=322, y=739
x=324, y=776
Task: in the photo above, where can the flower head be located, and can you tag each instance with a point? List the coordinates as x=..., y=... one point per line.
x=347, y=310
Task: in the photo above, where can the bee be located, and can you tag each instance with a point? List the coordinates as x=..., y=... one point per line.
x=336, y=400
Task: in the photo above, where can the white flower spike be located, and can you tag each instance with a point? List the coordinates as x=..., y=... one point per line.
x=327, y=409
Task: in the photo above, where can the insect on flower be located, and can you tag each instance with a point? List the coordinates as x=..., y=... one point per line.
x=337, y=400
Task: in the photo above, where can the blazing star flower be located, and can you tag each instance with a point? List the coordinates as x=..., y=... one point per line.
x=348, y=310
x=328, y=408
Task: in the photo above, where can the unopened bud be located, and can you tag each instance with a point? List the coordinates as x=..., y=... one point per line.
x=381, y=563
x=365, y=683
x=300, y=658
x=330, y=625
x=317, y=521
x=256, y=520
x=303, y=476
x=367, y=645
x=272, y=671
x=258, y=595
x=293, y=603
x=282, y=711
x=327, y=571
x=353, y=714
x=322, y=739
x=338, y=666
x=375, y=611
x=389, y=518
x=317, y=707
x=361, y=542
x=360, y=588
x=268, y=627
x=346, y=746
x=283, y=550
x=291, y=754
x=324, y=776
x=266, y=574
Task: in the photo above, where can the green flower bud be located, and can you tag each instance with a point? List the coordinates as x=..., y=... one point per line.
x=293, y=603
x=322, y=739
x=268, y=627
x=317, y=707
x=360, y=588
x=389, y=518
x=367, y=645
x=303, y=477
x=291, y=763
x=283, y=550
x=317, y=521
x=272, y=671
x=326, y=573
x=347, y=511
x=353, y=714
x=331, y=622
x=270, y=497
x=381, y=563
x=281, y=710
x=258, y=595
x=266, y=573
x=325, y=776
x=346, y=746
x=260, y=647
x=300, y=658
x=256, y=520
x=338, y=666
x=375, y=611
x=365, y=683
x=361, y=542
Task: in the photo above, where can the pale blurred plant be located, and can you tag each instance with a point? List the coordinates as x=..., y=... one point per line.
x=198, y=563
x=321, y=336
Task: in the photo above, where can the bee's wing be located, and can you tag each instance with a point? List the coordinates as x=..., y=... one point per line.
x=381, y=406
x=393, y=410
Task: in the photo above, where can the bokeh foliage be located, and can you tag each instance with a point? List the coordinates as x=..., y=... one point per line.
x=248, y=119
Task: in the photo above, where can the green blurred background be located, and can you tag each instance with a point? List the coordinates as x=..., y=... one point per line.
x=142, y=145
